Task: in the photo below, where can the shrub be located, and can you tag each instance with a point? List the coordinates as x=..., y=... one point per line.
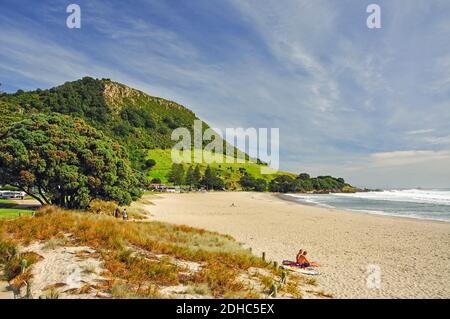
x=8, y=250
x=282, y=184
x=98, y=206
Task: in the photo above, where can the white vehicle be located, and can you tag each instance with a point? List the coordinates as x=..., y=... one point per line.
x=172, y=189
x=12, y=195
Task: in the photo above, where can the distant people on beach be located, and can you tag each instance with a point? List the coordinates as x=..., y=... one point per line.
x=125, y=214
x=117, y=212
x=303, y=261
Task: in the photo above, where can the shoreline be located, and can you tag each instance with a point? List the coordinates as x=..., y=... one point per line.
x=288, y=198
x=345, y=243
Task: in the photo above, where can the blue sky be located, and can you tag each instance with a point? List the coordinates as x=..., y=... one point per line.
x=372, y=106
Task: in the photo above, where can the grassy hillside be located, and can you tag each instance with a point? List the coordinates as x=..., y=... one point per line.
x=230, y=172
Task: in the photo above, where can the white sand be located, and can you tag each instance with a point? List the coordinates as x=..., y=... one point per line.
x=413, y=255
x=70, y=268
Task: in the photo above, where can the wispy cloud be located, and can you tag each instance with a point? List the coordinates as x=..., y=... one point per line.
x=408, y=157
x=420, y=132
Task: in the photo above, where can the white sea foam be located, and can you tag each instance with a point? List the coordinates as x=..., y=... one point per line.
x=411, y=203
x=439, y=197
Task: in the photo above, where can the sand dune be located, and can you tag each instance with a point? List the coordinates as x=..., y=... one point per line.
x=413, y=256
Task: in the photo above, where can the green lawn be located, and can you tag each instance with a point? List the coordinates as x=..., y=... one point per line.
x=8, y=210
x=13, y=212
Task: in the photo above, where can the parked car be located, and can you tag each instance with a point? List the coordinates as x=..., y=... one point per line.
x=12, y=195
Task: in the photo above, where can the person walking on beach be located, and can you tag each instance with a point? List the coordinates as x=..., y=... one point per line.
x=117, y=212
x=125, y=214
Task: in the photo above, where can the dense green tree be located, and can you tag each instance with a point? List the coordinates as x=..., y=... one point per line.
x=150, y=163
x=283, y=184
x=247, y=182
x=303, y=176
x=207, y=180
x=156, y=181
x=260, y=185
x=197, y=176
x=304, y=185
x=330, y=183
x=189, y=179
x=176, y=174
x=211, y=180
x=66, y=162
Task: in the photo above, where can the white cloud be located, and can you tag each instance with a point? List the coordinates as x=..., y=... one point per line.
x=407, y=157
x=421, y=131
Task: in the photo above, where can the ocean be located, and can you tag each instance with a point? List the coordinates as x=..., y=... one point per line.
x=431, y=204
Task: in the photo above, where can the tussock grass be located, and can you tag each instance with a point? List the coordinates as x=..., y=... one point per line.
x=89, y=269
x=199, y=289
x=53, y=243
x=292, y=288
x=133, y=275
x=311, y=281
x=16, y=266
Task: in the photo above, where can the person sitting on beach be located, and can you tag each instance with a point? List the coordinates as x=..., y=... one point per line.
x=299, y=256
x=303, y=261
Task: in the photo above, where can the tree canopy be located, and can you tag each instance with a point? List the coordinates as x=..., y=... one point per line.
x=63, y=161
x=249, y=183
x=211, y=180
x=282, y=184
x=176, y=174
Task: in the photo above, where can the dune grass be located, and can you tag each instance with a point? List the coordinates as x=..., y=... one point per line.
x=129, y=250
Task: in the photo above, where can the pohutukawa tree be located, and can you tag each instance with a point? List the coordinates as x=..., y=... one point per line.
x=63, y=161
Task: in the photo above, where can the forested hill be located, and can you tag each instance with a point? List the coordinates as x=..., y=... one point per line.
x=143, y=125
x=138, y=121
x=128, y=115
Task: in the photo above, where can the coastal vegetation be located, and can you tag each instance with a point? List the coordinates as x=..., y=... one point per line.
x=236, y=176
x=304, y=183
x=214, y=179
x=61, y=161
x=140, y=260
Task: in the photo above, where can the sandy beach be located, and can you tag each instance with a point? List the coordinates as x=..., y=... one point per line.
x=413, y=255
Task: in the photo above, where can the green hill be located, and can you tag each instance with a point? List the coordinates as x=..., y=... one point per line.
x=128, y=115
x=143, y=125
x=140, y=122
